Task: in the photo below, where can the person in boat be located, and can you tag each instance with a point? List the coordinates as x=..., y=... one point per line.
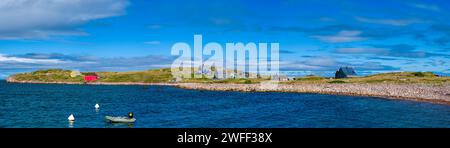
x=130, y=115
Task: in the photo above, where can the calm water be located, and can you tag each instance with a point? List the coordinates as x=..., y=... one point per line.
x=40, y=105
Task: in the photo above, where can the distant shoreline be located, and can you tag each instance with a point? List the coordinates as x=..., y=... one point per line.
x=413, y=92
x=10, y=80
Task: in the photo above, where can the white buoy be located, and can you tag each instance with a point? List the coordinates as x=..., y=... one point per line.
x=97, y=106
x=71, y=118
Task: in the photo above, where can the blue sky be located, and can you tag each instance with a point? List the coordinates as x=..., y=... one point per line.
x=316, y=37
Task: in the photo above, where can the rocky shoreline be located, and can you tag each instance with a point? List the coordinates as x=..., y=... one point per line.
x=416, y=92
x=11, y=80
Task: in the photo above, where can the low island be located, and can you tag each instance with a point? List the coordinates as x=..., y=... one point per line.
x=417, y=86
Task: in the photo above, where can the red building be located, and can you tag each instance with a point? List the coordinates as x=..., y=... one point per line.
x=91, y=77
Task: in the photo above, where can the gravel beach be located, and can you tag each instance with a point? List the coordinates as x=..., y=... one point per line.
x=417, y=92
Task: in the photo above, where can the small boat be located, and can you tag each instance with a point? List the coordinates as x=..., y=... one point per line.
x=120, y=119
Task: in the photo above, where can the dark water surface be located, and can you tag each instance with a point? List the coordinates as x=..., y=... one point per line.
x=49, y=105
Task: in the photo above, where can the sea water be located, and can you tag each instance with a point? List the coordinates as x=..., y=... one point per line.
x=49, y=105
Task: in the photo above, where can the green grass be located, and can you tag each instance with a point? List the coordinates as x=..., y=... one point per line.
x=150, y=76
x=337, y=81
x=164, y=75
x=59, y=75
x=403, y=78
x=50, y=75
x=309, y=79
x=394, y=78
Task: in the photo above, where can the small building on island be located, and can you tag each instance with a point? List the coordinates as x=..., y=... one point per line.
x=280, y=77
x=75, y=73
x=345, y=72
x=90, y=77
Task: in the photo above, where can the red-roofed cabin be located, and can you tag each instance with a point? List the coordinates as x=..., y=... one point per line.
x=91, y=77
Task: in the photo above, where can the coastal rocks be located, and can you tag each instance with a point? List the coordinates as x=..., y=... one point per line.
x=12, y=80
x=419, y=92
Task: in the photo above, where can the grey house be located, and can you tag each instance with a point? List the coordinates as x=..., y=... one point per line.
x=345, y=72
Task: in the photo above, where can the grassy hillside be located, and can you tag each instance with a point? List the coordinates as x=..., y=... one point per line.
x=149, y=76
x=50, y=75
x=164, y=75
x=395, y=77
x=59, y=75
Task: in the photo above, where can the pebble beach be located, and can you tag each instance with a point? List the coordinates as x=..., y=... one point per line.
x=417, y=92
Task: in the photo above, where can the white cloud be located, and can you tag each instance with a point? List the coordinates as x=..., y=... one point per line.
x=427, y=7
x=393, y=22
x=11, y=59
x=29, y=19
x=321, y=61
x=341, y=37
x=33, y=61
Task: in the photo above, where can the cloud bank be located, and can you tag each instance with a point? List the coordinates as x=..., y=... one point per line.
x=31, y=19
x=34, y=61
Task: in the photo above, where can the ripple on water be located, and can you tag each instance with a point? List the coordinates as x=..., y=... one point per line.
x=48, y=105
